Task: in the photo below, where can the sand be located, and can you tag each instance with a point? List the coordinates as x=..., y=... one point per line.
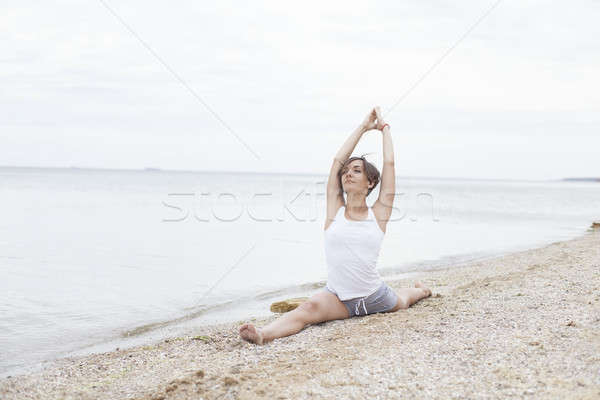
x=522, y=325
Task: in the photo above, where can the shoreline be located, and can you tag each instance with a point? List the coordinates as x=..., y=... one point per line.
x=521, y=323
x=263, y=299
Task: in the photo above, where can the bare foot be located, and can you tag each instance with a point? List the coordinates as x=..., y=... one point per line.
x=251, y=334
x=425, y=288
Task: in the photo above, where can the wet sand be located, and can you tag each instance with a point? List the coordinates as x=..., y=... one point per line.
x=522, y=325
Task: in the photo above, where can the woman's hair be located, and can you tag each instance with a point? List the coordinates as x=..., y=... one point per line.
x=369, y=169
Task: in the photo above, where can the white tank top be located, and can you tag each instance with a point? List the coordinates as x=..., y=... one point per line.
x=351, y=250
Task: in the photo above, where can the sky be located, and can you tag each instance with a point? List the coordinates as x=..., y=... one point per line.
x=275, y=87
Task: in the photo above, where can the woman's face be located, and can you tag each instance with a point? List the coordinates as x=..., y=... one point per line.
x=354, y=178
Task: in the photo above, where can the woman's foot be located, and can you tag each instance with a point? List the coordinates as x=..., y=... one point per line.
x=251, y=334
x=425, y=288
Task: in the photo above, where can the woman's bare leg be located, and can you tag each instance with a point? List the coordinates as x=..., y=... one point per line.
x=409, y=296
x=323, y=306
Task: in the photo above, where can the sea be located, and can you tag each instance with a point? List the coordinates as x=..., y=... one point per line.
x=94, y=259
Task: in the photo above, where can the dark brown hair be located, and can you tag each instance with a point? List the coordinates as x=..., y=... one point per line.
x=371, y=171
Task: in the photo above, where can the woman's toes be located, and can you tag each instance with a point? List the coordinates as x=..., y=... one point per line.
x=420, y=285
x=250, y=334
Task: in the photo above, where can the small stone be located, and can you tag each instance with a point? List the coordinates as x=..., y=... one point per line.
x=229, y=381
x=170, y=388
x=200, y=373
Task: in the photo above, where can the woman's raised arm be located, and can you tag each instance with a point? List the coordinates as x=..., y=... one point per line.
x=335, y=196
x=382, y=208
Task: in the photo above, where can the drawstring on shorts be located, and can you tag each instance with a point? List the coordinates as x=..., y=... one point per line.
x=356, y=311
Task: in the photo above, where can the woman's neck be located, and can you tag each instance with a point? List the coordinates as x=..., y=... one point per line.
x=356, y=204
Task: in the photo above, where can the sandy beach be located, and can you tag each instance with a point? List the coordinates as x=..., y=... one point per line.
x=525, y=324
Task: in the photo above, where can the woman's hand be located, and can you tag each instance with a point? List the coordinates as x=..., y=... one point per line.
x=380, y=121
x=369, y=122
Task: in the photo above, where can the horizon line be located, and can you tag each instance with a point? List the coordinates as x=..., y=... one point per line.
x=157, y=169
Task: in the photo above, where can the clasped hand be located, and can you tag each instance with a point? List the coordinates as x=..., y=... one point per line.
x=374, y=120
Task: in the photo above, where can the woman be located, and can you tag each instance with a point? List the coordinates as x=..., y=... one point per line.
x=353, y=236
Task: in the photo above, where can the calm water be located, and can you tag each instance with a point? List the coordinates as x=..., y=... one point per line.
x=92, y=259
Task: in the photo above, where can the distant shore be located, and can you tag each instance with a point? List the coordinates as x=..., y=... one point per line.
x=524, y=324
x=582, y=179
x=244, y=172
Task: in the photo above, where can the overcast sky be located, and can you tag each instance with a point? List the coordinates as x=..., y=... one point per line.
x=518, y=98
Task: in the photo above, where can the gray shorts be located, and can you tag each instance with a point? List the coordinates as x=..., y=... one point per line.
x=384, y=299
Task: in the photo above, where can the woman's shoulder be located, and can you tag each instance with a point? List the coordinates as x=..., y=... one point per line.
x=340, y=210
x=380, y=221
x=337, y=215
